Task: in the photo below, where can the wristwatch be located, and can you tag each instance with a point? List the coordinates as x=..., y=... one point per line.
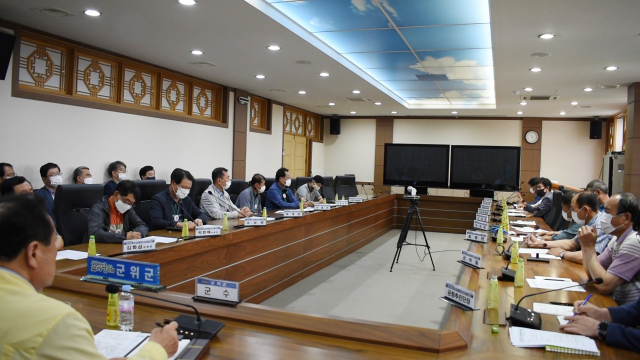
x=562, y=254
x=602, y=330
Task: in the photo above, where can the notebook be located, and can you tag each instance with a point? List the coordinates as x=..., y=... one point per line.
x=553, y=341
x=571, y=351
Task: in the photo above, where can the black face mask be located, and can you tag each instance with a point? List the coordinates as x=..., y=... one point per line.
x=540, y=192
x=150, y=178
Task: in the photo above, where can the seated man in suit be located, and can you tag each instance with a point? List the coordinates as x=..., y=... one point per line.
x=147, y=173
x=35, y=326
x=17, y=185
x=311, y=191
x=543, y=209
x=6, y=171
x=82, y=175
x=250, y=197
x=51, y=178
x=112, y=220
x=280, y=196
x=171, y=207
x=216, y=201
x=118, y=172
x=572, y=231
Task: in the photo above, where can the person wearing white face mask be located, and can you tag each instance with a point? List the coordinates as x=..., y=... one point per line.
x=216, y=202
x=117, y=170
x=51, y=177
x=171, y=207
x=619, y=264
x=279, y=195
x=568, y=233
x=82, y=175
x=250, y=197
x=599, y=189
x=115, y=213
x=311, y=191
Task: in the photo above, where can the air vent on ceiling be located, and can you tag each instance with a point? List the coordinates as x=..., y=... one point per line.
x=541, y=97
x=324, y=106
x=432, y=77
x=53, y=11
x=303, y=62
x=278, y=90
x=584, y=106
x=357, y=99
x=203, y=64
x=608, y=86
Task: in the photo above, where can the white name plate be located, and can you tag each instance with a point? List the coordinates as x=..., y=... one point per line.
x=218, y=289
x=293, y=213
x=255, y=221
x=322, y=207
x=471, y=258
x=487, y=200
x=129, y=246
x=460, y=295
x=484, y=218
x=480, y=225
x=342, y=202
x=208, y=230
x=483, y=212
x=476, y=236
x=485, y=206
x=355, y=199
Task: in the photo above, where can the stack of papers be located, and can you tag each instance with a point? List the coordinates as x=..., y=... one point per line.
x=521, y=337
x=523, y=229
x=72, y=255
x=548, y=283
x=161, y=239
x=551, y=309
x=524, y=222
x=117, y=344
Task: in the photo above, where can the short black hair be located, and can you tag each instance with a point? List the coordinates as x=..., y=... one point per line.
x=77, y=172
x=256, y=179
x=2, y=165
x=594, y=185
x=628, y=203
x=567, y=196
x=534, y=181
x=544, y=181
x=144, y=170
x=589, y=199
x=44, y=169
x=318, y=179
x=177, y=175
x=126, y=187
x=282, y=172
x=23, y=219
x=218, y=173
x=6, y=188
x=115, y=165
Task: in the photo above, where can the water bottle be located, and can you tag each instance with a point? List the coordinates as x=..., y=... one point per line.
x=336, y=199
x=514, y=252
x=519, y=279
x=126, y=308
x=113, y=310
x=500, y=236
x=324, y=201
x=492, y=298
x=301, y=206
x=185, y=229
x=225, y=223
x=91, y=251
x=264, y=212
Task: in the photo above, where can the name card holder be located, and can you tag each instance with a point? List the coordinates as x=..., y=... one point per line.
x=459, y=297
x=217, y=291
x=355, y=199
x=487, y=200
x=208, y=230
x=480, y=225
x=139, y=274
x=293, y=213
x=483, y=212
x=138, y=246
x=471, y=259
x=484, y=218
x=255, y=221
x=476, y=236
x=485, y=207
x=342, y=202
x=322, y=207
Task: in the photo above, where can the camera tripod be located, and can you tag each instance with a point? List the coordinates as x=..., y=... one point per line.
x=402, y=240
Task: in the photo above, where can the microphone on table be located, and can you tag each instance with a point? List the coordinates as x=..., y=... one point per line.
x=526, y=318
x=192, y=327
x=365, y=191
x=225, y=201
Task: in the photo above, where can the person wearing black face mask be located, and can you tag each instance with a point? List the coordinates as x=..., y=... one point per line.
x=544, y=208
x=147, y=173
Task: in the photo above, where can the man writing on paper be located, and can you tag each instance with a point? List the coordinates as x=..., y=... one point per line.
x=619, y=263
x=216, y=201
x=311, y=191
x=35, y=326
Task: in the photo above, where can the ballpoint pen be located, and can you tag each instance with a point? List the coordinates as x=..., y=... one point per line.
x=584, y=303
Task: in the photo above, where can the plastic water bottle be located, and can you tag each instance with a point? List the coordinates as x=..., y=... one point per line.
x=492, y=298
x=500, y=236
x=514, y=252
x=91, y=250
x=185, y=229
x=113, y=309
x=126, y=308
x=519, y=279
x=225, y=223
x=264, y=212
x=301, y=205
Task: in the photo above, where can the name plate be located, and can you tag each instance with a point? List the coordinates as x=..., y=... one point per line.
x=131, y=246
x=484, y=218
x=476, y=236
x=342, y=202
x=208, y=230
x=485, y=206
x=218, y=289
x=293, y=213
x=460, y=295
x=322, y=207
x=480, y=225
x=122, y=270
x=471, y=258
x=255, y=221
x=355, y=199
x=483, y=212
x=487, y=200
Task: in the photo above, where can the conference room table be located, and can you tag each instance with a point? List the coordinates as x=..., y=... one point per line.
x=255, y=331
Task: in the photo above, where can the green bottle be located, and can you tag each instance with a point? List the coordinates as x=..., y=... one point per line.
x=301, y=205
x=492, y=297
x=264, y=212
x=336, y=197
x=514, y=252
x=519, y=279
x=185, y=229
x=342, y=197
x=91, y=251
x=324, y=201
x=225, y=223
x=500, y=236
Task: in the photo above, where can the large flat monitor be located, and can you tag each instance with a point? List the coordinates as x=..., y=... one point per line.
x=416, y=165
x=485, y=167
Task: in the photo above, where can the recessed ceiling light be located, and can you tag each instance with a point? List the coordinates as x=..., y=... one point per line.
x=92, y=12
x=528, y=89
x=197, y=52
x=378, y=103
x=187, y=2
x=394, y=112
x=302, y=92
x=454, y=112
x=356, y=91
x=352, y=112
x=332, y=104
x=260, y=76
x=546, y=36
x=324, y=74
x=574, y=103
x=523, y=103
x=535, y=69
x=563, y=113
x=588, y=89
x=519, y=113
x=611, y=68
x=273, y=47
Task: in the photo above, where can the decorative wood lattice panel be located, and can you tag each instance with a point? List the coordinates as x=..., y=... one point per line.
x=95, y=77
x=310, y=126
x=293, y=122
x=300, y=122
x=611, y=134
x=259, y=114
x=206, y=101
x=139, y=87
x=173, y=95
x=42, y=66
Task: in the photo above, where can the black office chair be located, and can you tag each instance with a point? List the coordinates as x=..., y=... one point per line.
x=294, y=185
x=557, y=221
x=237, y=186
x=301, y=180
x=197, y=188
x=346, y=186
x=267, y=183
x=71, y=208
x=149, y=188
x=326, y=190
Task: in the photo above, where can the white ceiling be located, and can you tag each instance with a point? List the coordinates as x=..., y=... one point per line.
x=591, y=34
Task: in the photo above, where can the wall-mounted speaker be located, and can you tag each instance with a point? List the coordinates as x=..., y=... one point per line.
x=6, y=48
x=595, y=130
x=334, y=126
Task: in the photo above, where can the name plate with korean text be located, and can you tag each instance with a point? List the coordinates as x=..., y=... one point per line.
x=471, y=259
x=255, y=221
x=484, y=218
x=485, y=207
x=208, y=230
x=477, y=236
x=487, y=200
x=342, y=202
x=322, y=207
x=483, y=212
x=218, y=289
x=123, y=271
x=355, y=199
x=459, y=296
x=480, y=225
x=142, y=245
x=293, y=213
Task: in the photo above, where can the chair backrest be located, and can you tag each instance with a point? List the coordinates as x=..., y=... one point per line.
x=142, y=209
x=70, y=200
x=301, y=180
x=237, y=186
x=557, y=221
x=149, y=188
x=267, y=183
x=326, y=190
x=346, y=186
x=294, y=185
x=197, y=188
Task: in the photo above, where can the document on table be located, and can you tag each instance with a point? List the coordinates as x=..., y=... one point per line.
x=523, y=229
x=309, y=209
x=523, y=222
x=547, y=256
x=532, y=251
x=516, y=214
x=182, y=344
x=562, y=321
x=554, y=285
x=517, y=238
x=551, y=309
x=268, y=219
x=161, y=239
x=116, y=343
x=538, y=277
x=71, y=255
x=522, y=337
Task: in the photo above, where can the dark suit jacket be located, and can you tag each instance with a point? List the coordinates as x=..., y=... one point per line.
x=109, y=188
x=161, y=212
x=48, y=201
x=97, y=228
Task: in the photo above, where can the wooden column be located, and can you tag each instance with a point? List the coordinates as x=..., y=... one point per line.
x=240, y=127
x=632, y=142
x=530, y=157
x=384, y=134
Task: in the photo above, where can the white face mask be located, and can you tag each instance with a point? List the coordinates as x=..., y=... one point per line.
x=122, y=207
x=605, y=223
x=226, y=185
x=576, y=219
x=316, y=187
x=532, y=191
x=288, y=182
x=565, y=216
x=55, y=180
x=181, y=193
x=262, y=189
x=122, y=176
x=88, y=181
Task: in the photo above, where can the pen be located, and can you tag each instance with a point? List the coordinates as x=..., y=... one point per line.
x=584, y=303
x=554, y=279
x=560, y=303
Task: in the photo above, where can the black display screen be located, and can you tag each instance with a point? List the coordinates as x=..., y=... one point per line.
x=416, y=165
x=485, y=167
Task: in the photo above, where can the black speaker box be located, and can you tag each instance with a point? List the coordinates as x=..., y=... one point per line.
x=595, y=130
x=6, y=48
x=334, y=126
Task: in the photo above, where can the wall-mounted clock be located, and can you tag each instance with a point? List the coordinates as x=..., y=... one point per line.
x=531, y=137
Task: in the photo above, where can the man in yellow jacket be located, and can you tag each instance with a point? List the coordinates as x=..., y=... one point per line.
x=32, y=325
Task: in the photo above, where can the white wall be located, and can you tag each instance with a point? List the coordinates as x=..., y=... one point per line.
x=264, y=151
x=37, y=132
x=317, y=159
x=568, y=155
x=458, y=132
x=353, y=151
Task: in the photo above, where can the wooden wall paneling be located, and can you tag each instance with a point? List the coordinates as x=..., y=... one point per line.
x=530, y=155
x=384, y=134
x=240, y=128
x=632, y=141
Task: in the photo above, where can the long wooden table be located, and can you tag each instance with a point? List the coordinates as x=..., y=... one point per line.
x=267, y=260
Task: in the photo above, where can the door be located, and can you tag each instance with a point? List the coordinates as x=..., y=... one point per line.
x=294, y=156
